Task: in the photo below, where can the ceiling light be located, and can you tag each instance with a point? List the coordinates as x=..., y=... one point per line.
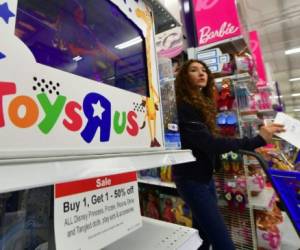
x=294, y=79
x=296, y=94
x=129, y=43
x=77, y=58
x=297, y=110
x=292, y=51
x=186, y=7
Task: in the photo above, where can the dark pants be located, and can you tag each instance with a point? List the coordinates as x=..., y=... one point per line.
x=202, y=200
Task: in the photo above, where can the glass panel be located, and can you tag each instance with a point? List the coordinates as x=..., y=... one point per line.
x=86, y=38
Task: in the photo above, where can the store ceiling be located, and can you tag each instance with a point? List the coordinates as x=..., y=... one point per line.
x=278, y=24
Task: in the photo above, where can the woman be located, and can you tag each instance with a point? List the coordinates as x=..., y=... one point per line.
x=197, y=114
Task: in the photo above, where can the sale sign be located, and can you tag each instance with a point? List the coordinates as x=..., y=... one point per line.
x=90, y=214
x=216, y=20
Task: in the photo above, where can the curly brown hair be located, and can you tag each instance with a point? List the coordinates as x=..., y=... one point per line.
x=202, y=100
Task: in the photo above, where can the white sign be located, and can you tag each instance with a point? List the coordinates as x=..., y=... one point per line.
x=292, y=127
x=213, y=58
x=90, y=214
x=67, y=95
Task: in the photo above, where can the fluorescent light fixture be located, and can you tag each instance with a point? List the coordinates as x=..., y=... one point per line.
x=294, y=79
x=296, y=94
x=276, y=96
x=77, y=58
x=129, y=43
x=297, y=110
x=186, y=7
x=292, y=51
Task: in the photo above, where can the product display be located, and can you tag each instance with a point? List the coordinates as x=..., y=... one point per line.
x=225, y=94
x=167, y=90
x=170, y=208
x=167, y=206
x=25, y=219
x=163, y=174
x=90, y=134
x=268, y=233
x=166, y=174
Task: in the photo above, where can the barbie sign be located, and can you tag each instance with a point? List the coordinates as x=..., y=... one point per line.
x=257, y=55
x=206, y=33
x=205, y=4
x=216, y=20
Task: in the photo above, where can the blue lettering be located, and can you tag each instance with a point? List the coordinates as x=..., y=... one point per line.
x=97, y=110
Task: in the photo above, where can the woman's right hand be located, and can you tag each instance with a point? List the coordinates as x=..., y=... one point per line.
x=268, y=131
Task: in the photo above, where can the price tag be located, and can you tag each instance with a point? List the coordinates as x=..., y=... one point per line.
x=92, y=213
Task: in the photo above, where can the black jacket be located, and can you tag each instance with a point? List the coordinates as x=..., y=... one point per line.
x=196, y=136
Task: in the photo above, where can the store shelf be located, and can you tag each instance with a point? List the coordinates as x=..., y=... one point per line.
x=159, y=235
x=266, y=111
x=29, y=173
x=264, y=200
x=157, y=182
x=251, y=162
x=243, y=76
x=166, y=80
x=261, y=111
x=290, y=239
x=230, y=45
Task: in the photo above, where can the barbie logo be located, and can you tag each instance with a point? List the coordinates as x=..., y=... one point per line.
x=206, y=33
x=205, y=4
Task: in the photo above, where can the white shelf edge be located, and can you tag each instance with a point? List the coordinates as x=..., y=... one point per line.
x=37, y=172
x=266, y=111
x=234, y=77
x=263, y=201
x=290, y=239
x=228, y=40
x=159, y=235
x=157, y=182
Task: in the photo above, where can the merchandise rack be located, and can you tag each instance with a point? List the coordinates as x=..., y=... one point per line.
x=261, y=202
x=231, y=44
x=240, y=77
x=264, y=200
x=158, y=235
x=240, y=222
x=275, y=176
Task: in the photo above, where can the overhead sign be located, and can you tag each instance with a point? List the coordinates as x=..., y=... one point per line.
x=257, y=55
x=213, y=58
x=216, y=20
x=90, y=214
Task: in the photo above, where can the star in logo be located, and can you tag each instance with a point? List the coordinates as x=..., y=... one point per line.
x=2, y=56
x=5, y=13
x=98, y=109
